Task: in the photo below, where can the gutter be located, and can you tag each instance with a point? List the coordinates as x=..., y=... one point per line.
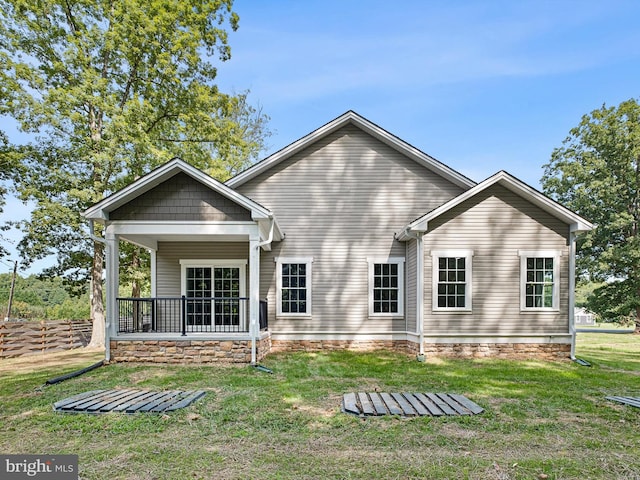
x=254, y=329
x=107, y=326
x=270, y=237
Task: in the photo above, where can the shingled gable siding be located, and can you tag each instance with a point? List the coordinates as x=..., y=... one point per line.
x=495, y=225
x=340, y=201
x=169, y=255
x=181, y=198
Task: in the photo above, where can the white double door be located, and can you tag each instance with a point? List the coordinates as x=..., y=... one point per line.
x=215, y=297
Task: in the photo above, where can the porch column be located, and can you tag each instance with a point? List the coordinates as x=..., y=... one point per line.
x=154, y=285
x=112, y=262
x=254, y=294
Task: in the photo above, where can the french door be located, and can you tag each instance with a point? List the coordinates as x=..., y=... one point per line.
x=215, y=297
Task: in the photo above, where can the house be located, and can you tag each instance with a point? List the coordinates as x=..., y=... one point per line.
x=347, y=238
x=584, y=318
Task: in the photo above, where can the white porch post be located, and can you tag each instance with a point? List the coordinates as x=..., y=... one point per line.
x=154, y=285
x=112, y=261
x=254, y=293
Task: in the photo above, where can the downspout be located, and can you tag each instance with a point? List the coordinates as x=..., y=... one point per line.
x=572, y=292
x=107, y=323
x=420, y=293
x=254, y=327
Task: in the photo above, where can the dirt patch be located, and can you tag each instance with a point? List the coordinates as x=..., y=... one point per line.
x=66, y=358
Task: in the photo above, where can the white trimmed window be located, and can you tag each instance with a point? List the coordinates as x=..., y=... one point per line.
x=540, y=280
x=216, y=293
x=386, y=286
x=293, y=283
x=452, y=280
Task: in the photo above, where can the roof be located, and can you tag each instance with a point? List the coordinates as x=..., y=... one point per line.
x=577, y=223
x=100, y=211
x=352, y=118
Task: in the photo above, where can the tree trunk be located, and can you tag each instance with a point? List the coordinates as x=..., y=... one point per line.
x=135, y=291
x=135, y=266
x=97, y=303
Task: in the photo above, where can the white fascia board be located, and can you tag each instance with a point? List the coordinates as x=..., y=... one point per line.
x=177, y=228
x=100, y=210
x=576, y=222
x=495, y=338
x=176, y=337
x=374, y=130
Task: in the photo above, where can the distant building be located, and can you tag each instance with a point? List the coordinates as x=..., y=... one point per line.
x=583, y=317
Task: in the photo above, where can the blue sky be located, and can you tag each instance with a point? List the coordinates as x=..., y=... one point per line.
x=481, y=86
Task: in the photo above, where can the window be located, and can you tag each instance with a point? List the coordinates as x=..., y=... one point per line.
x=452, y=280
x=215, y=291
x=294, y=286
x=539, y=283
x=386, y=287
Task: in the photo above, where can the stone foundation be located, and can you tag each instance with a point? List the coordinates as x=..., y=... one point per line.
x=332, y=345
x=239, y=351
x=187, y=351
x=538, y=351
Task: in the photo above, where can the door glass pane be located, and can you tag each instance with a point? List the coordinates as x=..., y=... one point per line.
x=226, y=296
x=198, y=291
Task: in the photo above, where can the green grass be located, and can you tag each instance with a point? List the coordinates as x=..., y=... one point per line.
x=541, y=418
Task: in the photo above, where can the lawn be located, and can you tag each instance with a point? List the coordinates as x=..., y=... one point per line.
x=543, y=420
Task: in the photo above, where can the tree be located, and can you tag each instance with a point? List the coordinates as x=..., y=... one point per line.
x=111, y=89
x=596, y=173
x=8, y=162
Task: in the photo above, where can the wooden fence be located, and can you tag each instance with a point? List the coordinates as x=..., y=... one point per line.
x=28, y=338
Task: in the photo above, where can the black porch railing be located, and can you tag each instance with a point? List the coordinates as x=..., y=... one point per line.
x=186, y=315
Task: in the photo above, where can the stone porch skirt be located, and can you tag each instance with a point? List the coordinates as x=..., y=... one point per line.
x=188, y=351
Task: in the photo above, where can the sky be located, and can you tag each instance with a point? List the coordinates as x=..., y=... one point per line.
x=481, y=86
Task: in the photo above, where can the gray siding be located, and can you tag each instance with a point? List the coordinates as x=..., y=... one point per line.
x=495, y=225
x=169, y=254
x=340, y=201
x=181, y=198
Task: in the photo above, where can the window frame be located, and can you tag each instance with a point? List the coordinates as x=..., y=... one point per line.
x=436, y=255
x=526, y=254
x=308, y=261
x=240, y=264
x=399, y=261
x=212, y=263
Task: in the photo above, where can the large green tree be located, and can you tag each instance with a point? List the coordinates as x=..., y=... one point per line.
x=7, y=164
x=109, y=89
x=596, y=172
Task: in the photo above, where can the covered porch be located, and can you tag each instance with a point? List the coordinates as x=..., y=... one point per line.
x=204, y=241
